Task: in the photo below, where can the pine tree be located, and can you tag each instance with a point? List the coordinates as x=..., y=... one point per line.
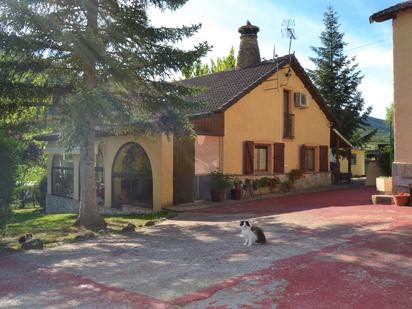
x=96, y=65
x=338, y=78
x=218, y=65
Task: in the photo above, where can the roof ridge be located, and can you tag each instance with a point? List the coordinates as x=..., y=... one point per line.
x=264, y=62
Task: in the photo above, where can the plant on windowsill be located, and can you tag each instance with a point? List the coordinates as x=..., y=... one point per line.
x=236, y=191
x=219, y=183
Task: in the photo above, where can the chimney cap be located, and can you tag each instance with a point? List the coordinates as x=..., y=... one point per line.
x=248, y=29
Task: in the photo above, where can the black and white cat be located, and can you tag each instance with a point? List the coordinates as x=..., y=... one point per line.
x=252, y=234
x=24, y=238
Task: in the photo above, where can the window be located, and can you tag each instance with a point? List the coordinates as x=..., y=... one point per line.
x=288, y=118
x=132, y=177
x=353, y=159
x=310, y=159
x=261, y=158
x=62, y=175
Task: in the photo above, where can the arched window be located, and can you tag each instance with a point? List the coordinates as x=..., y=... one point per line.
x=132, y=177
x=62, y=175
x=99, y=177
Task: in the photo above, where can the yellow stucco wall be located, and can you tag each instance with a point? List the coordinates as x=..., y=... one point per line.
x=358, y=169
x=258, y=117
x=402, y=66
x=159, y=149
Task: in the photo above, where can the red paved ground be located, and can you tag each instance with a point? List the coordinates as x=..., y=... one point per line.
x=371, y=271
x=370, y=266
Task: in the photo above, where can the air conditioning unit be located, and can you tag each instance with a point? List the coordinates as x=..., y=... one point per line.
x=301, y=100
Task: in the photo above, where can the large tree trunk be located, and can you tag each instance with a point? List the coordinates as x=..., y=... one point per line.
x=89, y=211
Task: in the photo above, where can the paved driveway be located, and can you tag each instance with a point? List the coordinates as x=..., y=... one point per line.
x=326, y=250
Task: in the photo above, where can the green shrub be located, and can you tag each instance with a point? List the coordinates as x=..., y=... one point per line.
x=8, y=163
x=219, y=182
x=25, y=194
x=42, y=192
x=384, y=160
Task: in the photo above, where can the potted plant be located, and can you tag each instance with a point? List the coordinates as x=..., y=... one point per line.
x=219, y=183
x=236, y=191
x=295, y=174
x=401, y=199
x=286, y=185
x=273, y=183
x=262, y=185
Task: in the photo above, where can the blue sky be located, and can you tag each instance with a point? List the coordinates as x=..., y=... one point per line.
x=221, y=19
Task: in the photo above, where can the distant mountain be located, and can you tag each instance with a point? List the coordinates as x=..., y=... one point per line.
x=379, y=124
x=382, y=136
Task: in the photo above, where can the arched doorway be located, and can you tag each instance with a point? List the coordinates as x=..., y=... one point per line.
x=132, y=182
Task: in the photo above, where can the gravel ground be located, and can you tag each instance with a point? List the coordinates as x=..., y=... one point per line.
x=325, y=249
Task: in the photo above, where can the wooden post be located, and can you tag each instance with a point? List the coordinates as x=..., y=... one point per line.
x=337, y=153
x=349, y=156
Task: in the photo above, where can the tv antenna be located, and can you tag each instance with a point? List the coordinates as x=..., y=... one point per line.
x=289, y=33
x=274, y=52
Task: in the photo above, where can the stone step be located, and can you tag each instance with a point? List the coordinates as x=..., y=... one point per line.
x=382, y=199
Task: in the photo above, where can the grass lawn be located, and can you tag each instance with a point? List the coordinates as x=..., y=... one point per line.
x=56, y=229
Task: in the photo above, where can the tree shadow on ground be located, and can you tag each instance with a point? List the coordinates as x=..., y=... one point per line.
x=194, y=251
x=170, y=260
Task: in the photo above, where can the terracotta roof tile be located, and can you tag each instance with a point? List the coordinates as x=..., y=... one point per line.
x=390, y=12
x=221, y=90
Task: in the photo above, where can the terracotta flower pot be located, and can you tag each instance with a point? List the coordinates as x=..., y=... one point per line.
x=217, y=196
x=401, y=200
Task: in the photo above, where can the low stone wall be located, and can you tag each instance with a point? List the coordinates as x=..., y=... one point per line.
x=307, y=181
x=314, y=180
x=125, y=210
x=60, y=205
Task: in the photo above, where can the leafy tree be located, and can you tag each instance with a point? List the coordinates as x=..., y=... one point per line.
x=219, y=65
x=8, y=166
x=337, y=77
x=389, y=114
x=96, y=65
x=389, y=120
x=21, y=158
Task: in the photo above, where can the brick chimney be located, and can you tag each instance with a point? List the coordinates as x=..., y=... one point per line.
x=249, y=54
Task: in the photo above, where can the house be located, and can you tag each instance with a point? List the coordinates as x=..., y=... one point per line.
x=401, y=16
x=261, y=118
x=356, y=164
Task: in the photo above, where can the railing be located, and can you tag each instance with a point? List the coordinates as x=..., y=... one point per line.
x=289, y=125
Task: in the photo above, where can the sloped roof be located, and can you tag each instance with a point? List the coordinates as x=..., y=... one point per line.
x=221, y=90
x=390, y=12
x=218, y=90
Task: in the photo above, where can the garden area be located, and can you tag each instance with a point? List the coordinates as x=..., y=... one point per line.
x=57, y=229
